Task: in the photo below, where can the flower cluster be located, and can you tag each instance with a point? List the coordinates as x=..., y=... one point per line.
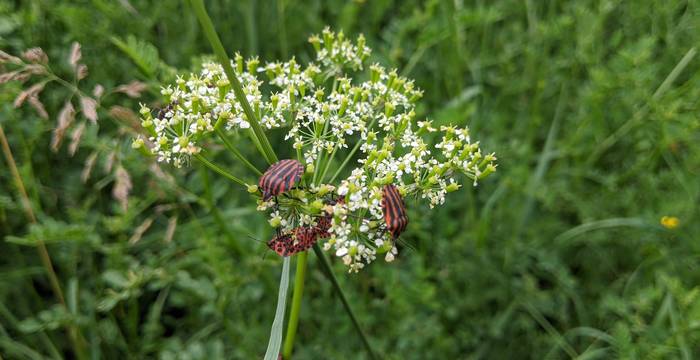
x=337, y=112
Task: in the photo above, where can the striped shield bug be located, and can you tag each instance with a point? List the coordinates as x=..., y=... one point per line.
x=281, y=244
x=280, y=177
x=304, y=237
x=394, y=210
x=299, y=239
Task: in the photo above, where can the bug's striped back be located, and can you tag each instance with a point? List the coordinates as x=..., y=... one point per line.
x=280, y=177
x=394, y=210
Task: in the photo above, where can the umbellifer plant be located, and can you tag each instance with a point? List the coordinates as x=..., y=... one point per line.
x=360, y=151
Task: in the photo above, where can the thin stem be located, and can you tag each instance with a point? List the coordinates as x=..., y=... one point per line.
x=221, y=171
x=328, y=165
x=73, y=331
x=323, y=154
x=218, y=47
x=296, y=306
x=347, y=159
x=236, y=153
x=329, y=274
x=345, y=162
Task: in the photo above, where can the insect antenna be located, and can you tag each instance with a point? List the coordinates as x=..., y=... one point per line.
x=267, y=249
x=405, y=244
x=251, y=237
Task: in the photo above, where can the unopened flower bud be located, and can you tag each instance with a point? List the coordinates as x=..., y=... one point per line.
x=252, y=189
x=147, y=123
x=144, y=110
x=490, y=168
x=223, y=82
x=239, y=63
x=317, y=205
x=452, y=187
x=323, y=190
x=183, y=141
x=389, y=109
x=316, y=42
x=138, y=143
x=252, y=65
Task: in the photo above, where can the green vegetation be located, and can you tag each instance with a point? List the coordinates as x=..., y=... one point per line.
x=591, y=106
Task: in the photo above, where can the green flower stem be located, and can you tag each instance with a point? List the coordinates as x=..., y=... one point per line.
x=296, y=306
x=74, y=333
x=345, y=162
x=218, y=47
x=328, y=164
x=323, y=154
x=350, y=155
x=329, y=274
x=221, y=171
x=236, y=153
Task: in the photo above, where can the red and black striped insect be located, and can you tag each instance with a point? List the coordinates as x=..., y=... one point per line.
x=323, y=225
x=280, y=244
x=299, y=239
x=324, y=221
x=394, y=210
x=280, y=177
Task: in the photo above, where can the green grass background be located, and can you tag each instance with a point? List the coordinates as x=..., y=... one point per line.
x=589, y=106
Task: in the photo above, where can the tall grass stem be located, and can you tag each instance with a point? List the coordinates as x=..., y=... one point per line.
x=44, y=256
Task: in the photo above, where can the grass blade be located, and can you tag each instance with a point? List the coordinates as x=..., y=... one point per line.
x=273, y=346
x=601, y=224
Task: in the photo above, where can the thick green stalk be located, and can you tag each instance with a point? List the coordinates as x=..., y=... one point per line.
x=221, y=171
x=296, y=306
x=218, y=47
x=264, y=144
x=329, y=274
x=236, y=153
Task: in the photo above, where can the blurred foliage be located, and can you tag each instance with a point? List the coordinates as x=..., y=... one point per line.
x=592, y=107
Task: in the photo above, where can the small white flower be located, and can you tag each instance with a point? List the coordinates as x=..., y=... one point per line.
x=341, y=252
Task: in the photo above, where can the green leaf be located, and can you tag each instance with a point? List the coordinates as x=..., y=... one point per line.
x=52, y=231
x=141, y=52
x=50, y=319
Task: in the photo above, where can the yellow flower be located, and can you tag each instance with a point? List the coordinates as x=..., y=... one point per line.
x=670, y=222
